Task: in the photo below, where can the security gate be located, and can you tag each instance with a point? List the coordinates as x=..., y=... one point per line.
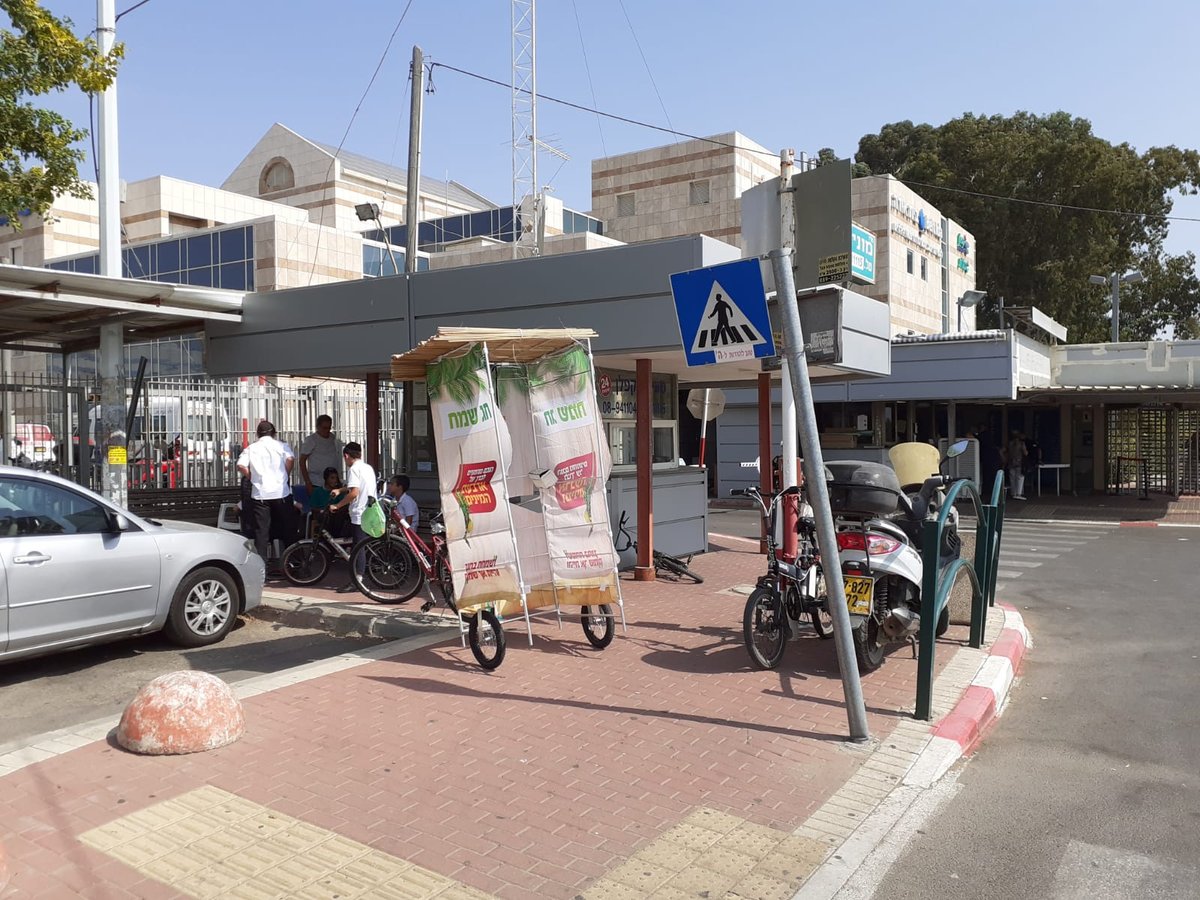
x=1153, y=450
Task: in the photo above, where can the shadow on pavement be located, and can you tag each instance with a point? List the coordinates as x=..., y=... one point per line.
x=431, y=686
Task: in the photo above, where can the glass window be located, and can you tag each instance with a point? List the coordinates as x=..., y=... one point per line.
x=169, y=277
x=36, y=508
x=622, y=439
x=170, y=357
x=168, y=256
x=910, y=262
x=250, y=275
x=88, y=264
x=924, y=269
x=233, y=276
x=199, y=277
x=372, y=259
x=195, y=356
x=199, y=251
x=232, y=244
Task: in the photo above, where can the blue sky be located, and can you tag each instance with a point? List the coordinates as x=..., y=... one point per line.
x=203, y=79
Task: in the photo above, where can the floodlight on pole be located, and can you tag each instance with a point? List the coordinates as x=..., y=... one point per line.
x=967, y=300
x=1115, y=281
x=370, y=212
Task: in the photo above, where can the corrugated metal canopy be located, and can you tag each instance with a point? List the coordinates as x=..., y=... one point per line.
x=511, y=345
x=52, y=310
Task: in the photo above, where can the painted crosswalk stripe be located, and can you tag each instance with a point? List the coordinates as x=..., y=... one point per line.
x=1007, y=573
x=1019, y=563
x=1005, y=553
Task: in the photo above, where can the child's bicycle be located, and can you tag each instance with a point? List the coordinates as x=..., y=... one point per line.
x=393, y=568
x=662, y=562
x=307, y=562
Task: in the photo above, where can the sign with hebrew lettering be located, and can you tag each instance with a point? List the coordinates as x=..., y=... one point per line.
x=473, y=451
x=562, y=397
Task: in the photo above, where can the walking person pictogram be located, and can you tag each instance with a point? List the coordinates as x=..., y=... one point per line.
x=723, y=333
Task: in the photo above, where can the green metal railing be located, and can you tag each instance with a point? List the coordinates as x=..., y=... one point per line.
x=937, y=582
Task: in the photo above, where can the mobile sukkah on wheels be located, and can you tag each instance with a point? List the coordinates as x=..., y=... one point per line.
x=523, y=469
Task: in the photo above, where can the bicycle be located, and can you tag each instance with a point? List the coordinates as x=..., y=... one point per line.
x=397, y=565
x=788, y=592
x=662, y=562
x=307, y=562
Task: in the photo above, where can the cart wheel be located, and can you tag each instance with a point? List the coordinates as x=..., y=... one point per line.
x=598, y=627
x=487, y=639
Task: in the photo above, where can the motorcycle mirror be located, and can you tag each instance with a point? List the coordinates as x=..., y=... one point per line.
x=958, y=448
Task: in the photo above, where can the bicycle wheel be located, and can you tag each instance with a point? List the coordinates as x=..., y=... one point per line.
x=486, y=636
x=818, y=610
x=764, y=628
x=675, y=567
x=598, y=627
x=386, y=569
x=305, y=562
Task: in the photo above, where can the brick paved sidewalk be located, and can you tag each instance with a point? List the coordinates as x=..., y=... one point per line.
x=423, y=775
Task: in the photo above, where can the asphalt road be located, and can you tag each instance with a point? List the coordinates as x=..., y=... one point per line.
x=51, y=692
x=1088, y=785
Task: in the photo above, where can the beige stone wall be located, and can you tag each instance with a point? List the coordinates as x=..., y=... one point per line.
x=660, y=180
x=292, y=254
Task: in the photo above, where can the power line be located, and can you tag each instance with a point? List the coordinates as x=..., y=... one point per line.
x=588, y=69
x=708, y=140
x=131, y=9
x=1051, y=204
x=646, y=63
x=325, y=194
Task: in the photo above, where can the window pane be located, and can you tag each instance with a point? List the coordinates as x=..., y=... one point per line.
x=199, y=277
x=664, y=444
x=250, y=275
x=233, y=245
x=37, y=508
x=199, y=251
x=168, y=256
x=88, y=264
x=233, y=276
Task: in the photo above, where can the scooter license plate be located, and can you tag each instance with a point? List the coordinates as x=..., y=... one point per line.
x=858, y=594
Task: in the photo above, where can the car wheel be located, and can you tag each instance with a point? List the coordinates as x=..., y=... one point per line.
x=204, y=608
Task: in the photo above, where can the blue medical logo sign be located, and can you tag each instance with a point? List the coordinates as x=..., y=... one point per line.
x=862, y=254
x=722, y=313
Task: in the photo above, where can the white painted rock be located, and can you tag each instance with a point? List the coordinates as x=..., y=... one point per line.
x=183, y=712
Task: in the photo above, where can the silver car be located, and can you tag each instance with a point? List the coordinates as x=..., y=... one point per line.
x=76, y=569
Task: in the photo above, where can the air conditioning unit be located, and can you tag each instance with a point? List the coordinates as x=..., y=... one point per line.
x=966, y=465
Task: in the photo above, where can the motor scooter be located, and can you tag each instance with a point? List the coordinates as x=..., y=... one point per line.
x=879, y=513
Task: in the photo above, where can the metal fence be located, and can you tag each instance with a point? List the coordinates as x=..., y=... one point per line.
x=187, y=432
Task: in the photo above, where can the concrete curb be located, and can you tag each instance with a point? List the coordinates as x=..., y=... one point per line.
x=345, y=619
x=959, y=731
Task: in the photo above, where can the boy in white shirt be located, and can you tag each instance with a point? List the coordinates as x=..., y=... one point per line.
x=360, y=486
x=398, y=490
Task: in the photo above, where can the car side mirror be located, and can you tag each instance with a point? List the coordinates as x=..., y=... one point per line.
x=118, y=523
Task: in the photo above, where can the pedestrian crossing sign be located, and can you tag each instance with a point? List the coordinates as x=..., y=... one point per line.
x=722, y=313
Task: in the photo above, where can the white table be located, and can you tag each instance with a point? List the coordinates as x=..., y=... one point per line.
x=1057, y=467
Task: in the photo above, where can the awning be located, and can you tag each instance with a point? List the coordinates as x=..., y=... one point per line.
x=504, y=345
x=49, y=310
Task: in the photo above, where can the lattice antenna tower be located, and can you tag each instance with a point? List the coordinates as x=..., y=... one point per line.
x=524, y=127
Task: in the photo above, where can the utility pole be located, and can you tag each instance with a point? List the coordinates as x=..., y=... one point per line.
x=814, y=462
x=412, y=203
x=110, y=356
x=524, y=126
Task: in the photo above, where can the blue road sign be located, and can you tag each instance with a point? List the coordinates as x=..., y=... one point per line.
x=722, y=313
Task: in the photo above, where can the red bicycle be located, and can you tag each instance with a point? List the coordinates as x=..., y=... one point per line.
x=395, y=567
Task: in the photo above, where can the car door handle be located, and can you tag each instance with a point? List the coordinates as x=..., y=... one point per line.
x=32, y=559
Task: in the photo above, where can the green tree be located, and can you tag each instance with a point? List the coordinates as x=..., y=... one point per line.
x=1038, y=255
x=39, y=152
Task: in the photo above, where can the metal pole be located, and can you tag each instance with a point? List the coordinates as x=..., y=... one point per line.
x=1116, y=307
x=790, y=435
x=412, y=199
x=704, y=428
x=814, y=462
x=110, y=362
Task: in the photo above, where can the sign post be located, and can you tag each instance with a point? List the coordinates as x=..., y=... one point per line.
x=705, y=405
x=814, y=462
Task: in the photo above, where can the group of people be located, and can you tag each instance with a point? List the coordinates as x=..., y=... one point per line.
x=1019, y=458
x=271, y=507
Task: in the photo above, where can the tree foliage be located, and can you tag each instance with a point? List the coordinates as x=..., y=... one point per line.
x=1042, y=255
x=39, y=152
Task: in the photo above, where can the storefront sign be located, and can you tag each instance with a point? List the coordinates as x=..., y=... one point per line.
x=862, y=254
x=620, y=400
x=833, y=268
x=926, y=224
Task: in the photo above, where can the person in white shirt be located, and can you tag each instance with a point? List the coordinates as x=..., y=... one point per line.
x=318, y=452
x=360, y=487
x=397, y=489
x=268, y=464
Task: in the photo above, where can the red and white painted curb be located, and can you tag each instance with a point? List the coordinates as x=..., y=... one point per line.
x=957, y=733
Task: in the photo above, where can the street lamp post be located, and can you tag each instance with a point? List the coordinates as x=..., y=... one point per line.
x=967, y=300
x=1116, y=280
